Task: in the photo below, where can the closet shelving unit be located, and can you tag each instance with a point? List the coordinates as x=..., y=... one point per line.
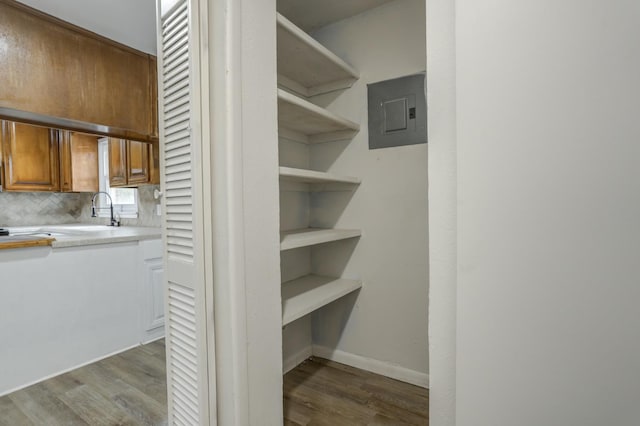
x=304, y=295
x=312, y=176
x=308, y=123
x=312, y=236
x=306, y=68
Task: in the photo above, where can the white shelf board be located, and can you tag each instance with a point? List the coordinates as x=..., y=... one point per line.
x=309, y=123
x=312, y=236
x=306, y=66
x=312, y=176
x=304, y=295
x=312, y=15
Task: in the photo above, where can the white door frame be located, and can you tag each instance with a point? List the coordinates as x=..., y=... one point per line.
x=245, y=211
x=240, y=233
x=443, y=229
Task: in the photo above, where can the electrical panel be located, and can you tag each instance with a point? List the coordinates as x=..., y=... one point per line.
x=397, y=112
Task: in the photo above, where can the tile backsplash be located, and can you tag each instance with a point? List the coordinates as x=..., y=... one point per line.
x=52, y=208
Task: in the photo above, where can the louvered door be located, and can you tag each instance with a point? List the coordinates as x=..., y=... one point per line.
x=189, y=326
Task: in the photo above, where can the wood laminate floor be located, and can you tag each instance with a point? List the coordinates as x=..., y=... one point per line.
x=321, y=392
x=130, y=389
x=126, y=389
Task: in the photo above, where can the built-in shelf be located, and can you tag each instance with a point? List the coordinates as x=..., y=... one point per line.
x=312, y=236
x=305, y=69
x=300, y=120
x=306, y=66
x=304, y=295
x=311, y=176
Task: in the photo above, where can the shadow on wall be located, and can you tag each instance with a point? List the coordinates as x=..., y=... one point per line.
x=331, y=259
x=334, y=317
x=328, y=207
x=328, y=152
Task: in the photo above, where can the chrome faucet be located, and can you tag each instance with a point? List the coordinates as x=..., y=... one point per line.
x=114, y=222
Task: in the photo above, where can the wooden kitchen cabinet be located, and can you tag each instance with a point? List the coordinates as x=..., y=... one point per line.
x=154, y=163
x=88, y=79
x=137, y=163
x=78, y=162
x=117, y=162
x=132, y=163
x=30, y=157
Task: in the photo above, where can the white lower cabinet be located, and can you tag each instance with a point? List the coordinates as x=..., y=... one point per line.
x=62, y=308
x=152, y=290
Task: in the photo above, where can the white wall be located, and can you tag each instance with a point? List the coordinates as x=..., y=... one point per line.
x=548, y=107
x=386, y=321
x=441, y=118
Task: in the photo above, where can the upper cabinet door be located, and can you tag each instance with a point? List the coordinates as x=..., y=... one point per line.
x=66, y=174
x=117, y=162
x=138, y=162
x=78, y=162
x=30, y=158
x=154, y=163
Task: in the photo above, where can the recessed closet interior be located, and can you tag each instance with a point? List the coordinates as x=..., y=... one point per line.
x=354, y=242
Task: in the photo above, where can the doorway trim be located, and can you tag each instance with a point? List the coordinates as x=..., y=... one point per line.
x=443, y=221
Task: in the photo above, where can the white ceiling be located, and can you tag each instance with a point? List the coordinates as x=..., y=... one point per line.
x=313, y=14
x=130, y=22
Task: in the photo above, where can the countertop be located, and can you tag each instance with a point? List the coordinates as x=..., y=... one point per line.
x=7, y=242
x=79, y=234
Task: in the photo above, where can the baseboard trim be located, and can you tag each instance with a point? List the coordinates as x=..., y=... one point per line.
x=296, y=359
x=387, y=369
x=66, y=370
x=153, y=339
